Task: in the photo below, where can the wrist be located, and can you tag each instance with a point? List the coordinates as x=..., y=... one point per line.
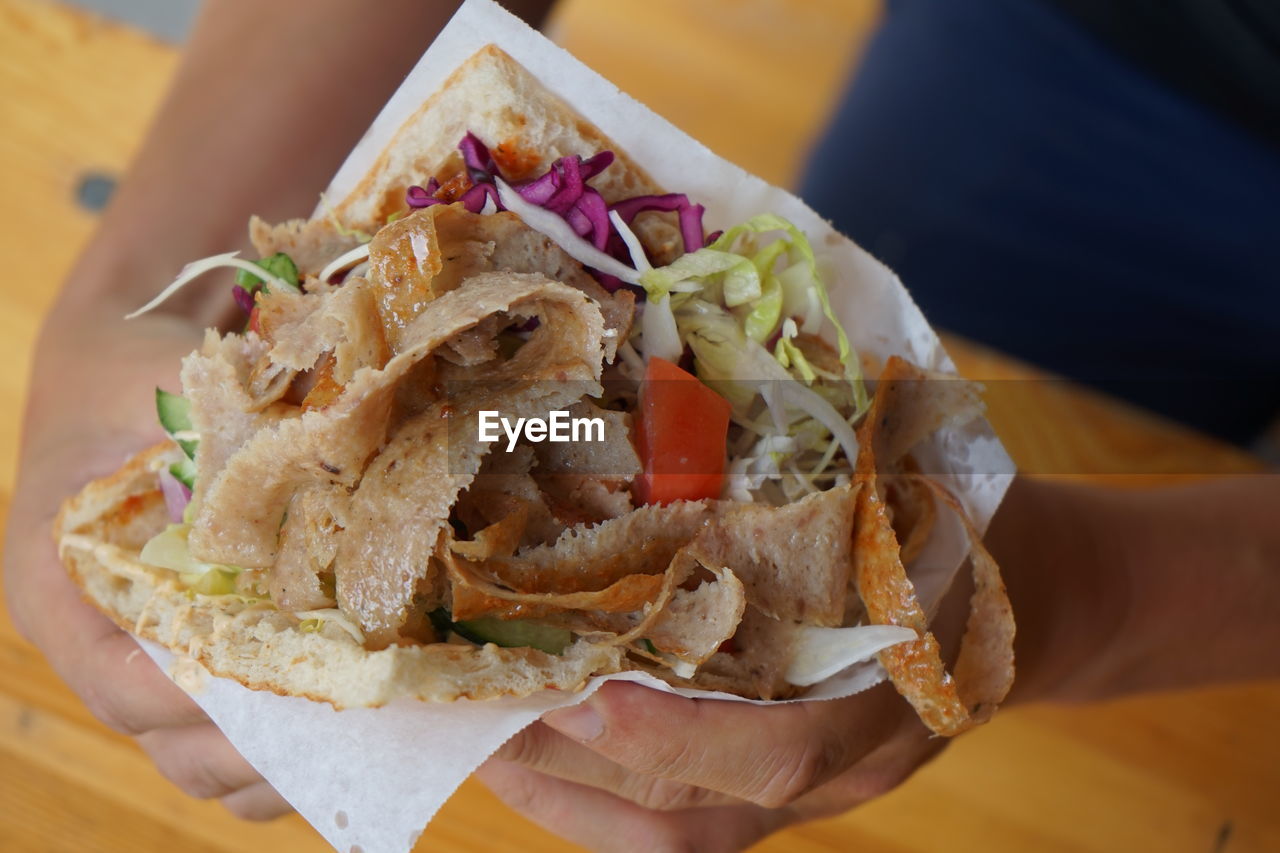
x=1120, y=591
x=1061, y=561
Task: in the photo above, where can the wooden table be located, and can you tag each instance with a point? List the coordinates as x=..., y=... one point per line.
x=1197, y=772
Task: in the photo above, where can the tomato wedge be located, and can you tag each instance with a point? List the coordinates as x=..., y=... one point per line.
x=681, y=428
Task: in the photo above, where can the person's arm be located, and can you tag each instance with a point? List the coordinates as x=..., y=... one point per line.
x=269, y=98
x=1121, y=591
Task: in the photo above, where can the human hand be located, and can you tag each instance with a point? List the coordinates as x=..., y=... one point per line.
x=90, y=407
x=633, y=768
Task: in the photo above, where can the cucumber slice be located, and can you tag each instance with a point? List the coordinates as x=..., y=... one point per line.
x=184, y=472
x=174, y=411
x=515, y=633
x=511, y=634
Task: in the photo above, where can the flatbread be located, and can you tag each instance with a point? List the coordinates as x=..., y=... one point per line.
x=526, y=126
x=101, y=531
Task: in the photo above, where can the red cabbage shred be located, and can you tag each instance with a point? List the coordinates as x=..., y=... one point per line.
x=563, y=190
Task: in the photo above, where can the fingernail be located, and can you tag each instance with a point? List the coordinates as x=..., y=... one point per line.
x=581, y=722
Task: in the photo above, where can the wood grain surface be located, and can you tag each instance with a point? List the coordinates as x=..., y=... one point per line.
x=1196, y=772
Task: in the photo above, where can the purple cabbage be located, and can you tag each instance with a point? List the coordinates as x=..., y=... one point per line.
x=475, y=154
x=243, y=298
x=563, y=189
x=176, y=495
x=417, y=196
x=690, y=214
x=475, y=198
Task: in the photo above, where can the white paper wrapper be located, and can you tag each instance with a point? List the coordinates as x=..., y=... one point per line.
x=370, y=779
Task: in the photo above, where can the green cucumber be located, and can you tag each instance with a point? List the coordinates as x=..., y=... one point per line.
x=280, y=265
x=508, y=633
x=174, y=411
x=184, y=472
x=515, y=633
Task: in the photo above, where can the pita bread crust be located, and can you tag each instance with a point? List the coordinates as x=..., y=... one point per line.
x=100, y=531
x=525, y=126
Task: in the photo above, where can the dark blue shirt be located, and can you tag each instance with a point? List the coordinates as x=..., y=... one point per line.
x=1039, y=192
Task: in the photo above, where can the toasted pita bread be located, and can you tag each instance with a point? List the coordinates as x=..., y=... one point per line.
x=100, y=534
x=527, y=128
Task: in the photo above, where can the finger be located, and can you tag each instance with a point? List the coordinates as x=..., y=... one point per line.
x=545, y=750
x=124, y=688
x=257, y=802
x=603, y=822
x=768, y=755
x=105, y=666
x=199, y=760
x=879, y=772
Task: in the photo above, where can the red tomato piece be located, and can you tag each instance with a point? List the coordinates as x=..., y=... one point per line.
x=681, y=427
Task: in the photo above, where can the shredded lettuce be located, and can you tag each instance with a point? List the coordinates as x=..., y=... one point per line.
x=803, y=282
x=791, y=356
x=315, y=620
x=168, y=549
x=822, y=652
x=215, y=581
x=739, y=306
x=736, y=366
x=658, y=326
x=195, y=269
x=763, y=313
x=705, y=264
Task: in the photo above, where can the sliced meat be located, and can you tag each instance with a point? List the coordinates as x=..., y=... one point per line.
x=311, y=243
x=344, y=322
x=308, y=545
x=433, y=250
x=239, y=520
x=756, y=664
x=214, y=380
x=795, y=560
x=612, y=458
x=504, y=487
x=914, y=404
x=593, y=557
x=407, y=489
x=412, y=484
